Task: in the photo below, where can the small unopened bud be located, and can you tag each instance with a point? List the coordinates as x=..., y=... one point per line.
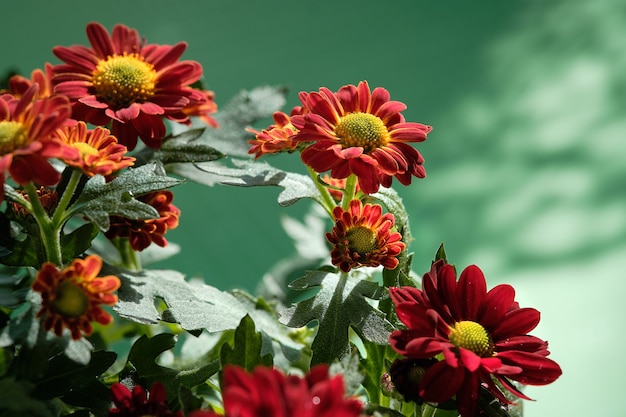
x=406, y=375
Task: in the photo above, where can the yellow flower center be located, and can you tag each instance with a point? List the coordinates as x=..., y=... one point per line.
x=69, y=300
x=85, y=149
x=472, y=336
x=124, y=79
x=362, y=240
x=362, y=129
x=12, y=136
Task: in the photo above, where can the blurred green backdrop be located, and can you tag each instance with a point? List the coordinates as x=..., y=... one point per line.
x=525, y=171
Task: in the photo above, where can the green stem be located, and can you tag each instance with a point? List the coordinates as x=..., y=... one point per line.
x=60, y=215
x=49, y=234
x=129, y=257
x=349, y=193
x=428, y=410
x=327, y=200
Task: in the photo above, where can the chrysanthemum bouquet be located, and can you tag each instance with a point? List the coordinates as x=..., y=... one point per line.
x=90, y=150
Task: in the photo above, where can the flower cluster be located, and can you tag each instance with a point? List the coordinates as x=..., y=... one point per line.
x=87, y=147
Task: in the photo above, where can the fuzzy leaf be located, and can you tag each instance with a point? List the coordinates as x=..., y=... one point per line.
x=339, y=305
x=248, y=173
x=246, y=349
x=193, y=306
x=78, y=241
x=64, y=375
x=144, y=353
x=242, y=111
x=187, y=146
x=100, y=199
x=271, y=329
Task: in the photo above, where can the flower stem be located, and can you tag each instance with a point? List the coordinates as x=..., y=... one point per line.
x=129, y=257
x=60, y=214
x=49, y=234
x=350, y=191
x=327, y=201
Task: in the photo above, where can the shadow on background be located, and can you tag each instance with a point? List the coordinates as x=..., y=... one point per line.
x=525, y=171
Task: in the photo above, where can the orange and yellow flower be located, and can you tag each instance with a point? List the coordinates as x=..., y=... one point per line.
x=18, y=84
x=72, y=297
x=27, y=125
x=99, y=152
x=362, y=236
x=275, y=139
x=361, y=132
x=129, y=83
x=141, y=233
x=202, y=106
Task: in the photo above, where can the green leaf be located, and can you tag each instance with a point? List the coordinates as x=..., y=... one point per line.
x=144, y=353
x=100, y=199
x=270, y=328
x=441, y=254
x=22, y=402
x=246, y=349
x=78, y=241
x=186, y=146
x=340, y=304
x=248, y=173
x=64, y=375
x=192, y=305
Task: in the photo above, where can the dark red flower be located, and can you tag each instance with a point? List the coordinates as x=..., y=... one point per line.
x=141, y=233
x=137, y=403
x=479, y=335
x=268, y=392
x=129, y=83
x=361, y=132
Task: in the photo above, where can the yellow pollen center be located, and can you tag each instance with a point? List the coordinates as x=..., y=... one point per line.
x=362, y=129
x=85, y=149
x=121, y=80
x=361, y=240
x=472, y=336
x=12, y=136
x=69, y=300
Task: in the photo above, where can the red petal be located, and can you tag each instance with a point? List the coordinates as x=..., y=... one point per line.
x=517, y=322
x=441, y=382
x=472, y=290
x=100, y=40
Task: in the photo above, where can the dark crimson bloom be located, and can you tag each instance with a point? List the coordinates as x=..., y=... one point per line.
x=478, y=335
x=362, y=236
x=361, y=132
x=268, y=392
x=129, y=83
x=141, y=233
x=138, y=403
x=72, y=297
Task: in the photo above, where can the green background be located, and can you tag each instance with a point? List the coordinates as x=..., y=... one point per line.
x=525, y=162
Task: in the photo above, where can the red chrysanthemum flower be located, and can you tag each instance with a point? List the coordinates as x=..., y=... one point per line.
x=99, y=152
x=479, y=336
x=26, y=144
x=362, y=236
x=361, y=132
x=122, y=80
x=141, y=233
x=18, y=84
x=137, y=403
x=72, y=297
x=276, y=138
x=269, y=392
